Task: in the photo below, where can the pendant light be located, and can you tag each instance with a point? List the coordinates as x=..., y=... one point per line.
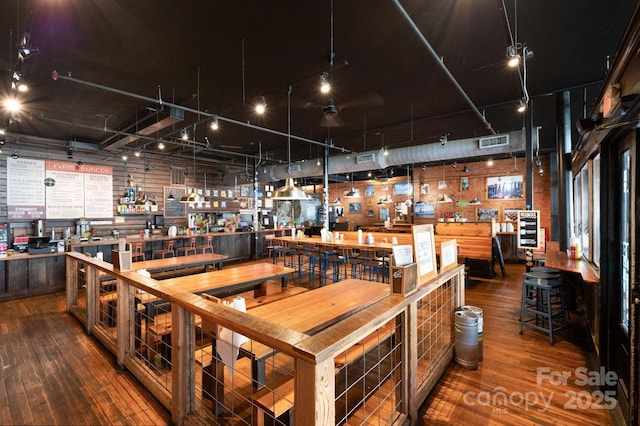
x=353, y=192
x=289, y=191
x=192, y=197
x=444, y=198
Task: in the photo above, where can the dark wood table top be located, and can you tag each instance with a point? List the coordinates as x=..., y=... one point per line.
x=554, y=258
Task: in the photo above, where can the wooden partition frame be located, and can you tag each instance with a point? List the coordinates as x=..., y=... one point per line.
x=314, y=355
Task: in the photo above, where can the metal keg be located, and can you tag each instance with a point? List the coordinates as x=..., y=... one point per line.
x=466, y=339
x=480, y=314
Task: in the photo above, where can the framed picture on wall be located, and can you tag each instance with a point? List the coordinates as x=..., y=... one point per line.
x=370, y=213
x=368, y=191
x=505, y=187
x=464, y=184
x=487, y=213
x=384, y=213
x=424, y=189
x=424, y=210
x=510, y=214
x=355, y=208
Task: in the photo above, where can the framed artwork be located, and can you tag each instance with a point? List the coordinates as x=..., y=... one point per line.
x=464, y=184
x=384, y=213
x=442, y=184
x=223, y=194
x=424, y=189
x=355, y=208
x=402, y=188
x=370, y=213
x=368, y=191
x=424, y=210
x=424, y=247
x=448, y=254
x=510, y=214
x=487, y=213
x=245, y=191
x=369, y=203
x=384, y=187
x=339, y=211
x=505, y=187
x=215, y=204
x=215, y=193
x=172, y=205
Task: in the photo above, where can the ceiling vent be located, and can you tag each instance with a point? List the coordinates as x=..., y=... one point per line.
x=493, y=141
x=365, y=158
x=294, y=168
x=178, y=176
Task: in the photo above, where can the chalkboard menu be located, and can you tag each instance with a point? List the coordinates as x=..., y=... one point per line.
x=172, y=205
x=528, y=229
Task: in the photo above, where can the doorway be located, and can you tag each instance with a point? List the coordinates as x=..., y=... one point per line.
x=620, y=277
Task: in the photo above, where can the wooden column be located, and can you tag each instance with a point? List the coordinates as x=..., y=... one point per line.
x=315, y=387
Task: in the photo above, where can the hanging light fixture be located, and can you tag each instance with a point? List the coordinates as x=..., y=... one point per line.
x=214, y=123
x=193, y=196
x=289, y=191
x=475, y=202
x=513, y=57
x=325, y=86
x=353, y=192
x=261, y=106
x=443, y=198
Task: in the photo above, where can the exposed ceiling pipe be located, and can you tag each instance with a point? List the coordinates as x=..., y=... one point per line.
x=376, y=160
x=444, y=68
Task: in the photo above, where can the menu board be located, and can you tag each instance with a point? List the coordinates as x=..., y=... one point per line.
x=424, y=246
x=25, y=189
x=528, y=229
x=71, y=191
x=172, y=205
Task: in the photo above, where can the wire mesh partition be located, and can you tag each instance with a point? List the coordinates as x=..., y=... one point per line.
x=212, y=364
x=369, y=383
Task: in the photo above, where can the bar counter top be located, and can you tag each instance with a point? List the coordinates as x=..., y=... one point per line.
x=559, y=260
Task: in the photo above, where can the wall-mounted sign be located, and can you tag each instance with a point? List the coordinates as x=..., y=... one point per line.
x=528, y=229
x=39, y=189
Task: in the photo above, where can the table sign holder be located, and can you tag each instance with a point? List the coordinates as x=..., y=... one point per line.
x=403, y=278
x=121, y=260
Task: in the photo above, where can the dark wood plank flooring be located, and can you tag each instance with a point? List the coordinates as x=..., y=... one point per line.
x=53, y=373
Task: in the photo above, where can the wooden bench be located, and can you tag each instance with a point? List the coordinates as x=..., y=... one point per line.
x=272, y=404
x=475, y=242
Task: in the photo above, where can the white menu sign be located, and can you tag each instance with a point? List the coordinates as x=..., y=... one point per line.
x=25, y=189
x=80, y=191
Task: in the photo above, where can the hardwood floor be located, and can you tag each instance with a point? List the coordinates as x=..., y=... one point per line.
x=53, y=373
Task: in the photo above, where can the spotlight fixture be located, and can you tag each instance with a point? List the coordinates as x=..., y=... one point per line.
x=475, y=201
x=261, y=106
x=454, y=165
x=15, y=155
x=214, y=124
x=1, y=150
x=466, y=169
x=79, y=162
x=325, y=86
x=160, y=145
x=125, y=157
x=386, y=151
x=490, y=162
x=69, y=154
x=513, y=58
x=443, y=140
x=522, y=105
x=318, y=163
x=12, y=105
x=369, y=173
x=424, y=167
x=137, y=153
x=184, y=134
x=3, y=131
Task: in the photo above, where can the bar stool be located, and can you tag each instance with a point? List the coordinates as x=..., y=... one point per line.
x=206, y=248
x=349, y=258
x=372, y=263
x=190, y=249
x=137, y=254
x=542, y=306
x=329, y=257
x=165, y=252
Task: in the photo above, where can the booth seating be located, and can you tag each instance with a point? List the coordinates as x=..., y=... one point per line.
x=543, y=306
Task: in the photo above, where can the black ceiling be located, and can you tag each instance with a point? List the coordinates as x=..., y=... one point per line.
x=219, y=57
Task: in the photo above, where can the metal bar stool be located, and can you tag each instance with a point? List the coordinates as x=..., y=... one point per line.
x=137, y=254
x=207, y=247
x=165, y=252
x=186, y=250
x=542, y=306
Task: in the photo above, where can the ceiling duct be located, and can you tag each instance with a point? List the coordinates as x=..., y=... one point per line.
x=454, y=149
x=176, y=115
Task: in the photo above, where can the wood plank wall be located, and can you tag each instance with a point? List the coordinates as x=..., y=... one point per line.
x=152, y=182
